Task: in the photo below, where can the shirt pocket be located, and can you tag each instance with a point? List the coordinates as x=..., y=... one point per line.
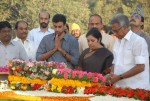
x=128, y=57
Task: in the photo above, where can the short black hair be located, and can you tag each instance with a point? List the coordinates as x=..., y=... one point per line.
x=4, y=24
x=59, y=18
x=17, y=23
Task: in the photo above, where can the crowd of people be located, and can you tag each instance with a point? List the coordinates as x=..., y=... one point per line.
x=122, y=57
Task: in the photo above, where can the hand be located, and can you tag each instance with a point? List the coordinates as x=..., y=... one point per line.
x=57, y=42
x=115, y=78
x=108, y=80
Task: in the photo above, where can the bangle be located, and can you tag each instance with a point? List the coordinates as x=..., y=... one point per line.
x=121, y=77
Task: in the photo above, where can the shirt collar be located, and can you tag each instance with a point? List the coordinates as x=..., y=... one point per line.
x=11, y=42
x=128, y=35
x=17, y=39
x=39, y=29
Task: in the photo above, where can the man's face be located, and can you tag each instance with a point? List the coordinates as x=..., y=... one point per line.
x=136, y=20
x=95, y=22
x=44, y=19
x=22, y=30
x=76, y=33
x=118, y=30
x=5, y=34
x=59, y=27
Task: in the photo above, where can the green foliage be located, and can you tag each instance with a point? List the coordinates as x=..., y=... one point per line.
x=76, y=11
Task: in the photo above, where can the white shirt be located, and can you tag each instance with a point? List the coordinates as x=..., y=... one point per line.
x=36, y=35
x=12, y=50
x=128, y=52
x=28, y=45
x=107, y=40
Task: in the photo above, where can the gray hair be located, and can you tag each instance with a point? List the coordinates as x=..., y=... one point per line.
x=121, y=19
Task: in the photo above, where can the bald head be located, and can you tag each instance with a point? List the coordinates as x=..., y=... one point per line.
x=44, y=18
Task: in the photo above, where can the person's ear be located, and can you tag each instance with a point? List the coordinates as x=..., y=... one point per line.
x=142, y=23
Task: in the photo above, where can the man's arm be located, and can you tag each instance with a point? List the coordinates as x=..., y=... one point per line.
x=73, y=55
x=45, y=56
x=133, y=71
x=41, y=53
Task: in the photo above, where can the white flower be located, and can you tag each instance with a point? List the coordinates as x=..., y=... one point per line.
x=54, y=71
x=80, y=90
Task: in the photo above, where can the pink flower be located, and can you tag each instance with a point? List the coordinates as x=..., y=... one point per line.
x=95, y=74
x=46, y=72
x=50, y=64
x=30, y=64
x=80, y=75
x=89, y=75
x=66, y=75
x=95, y=79
x=102, y=78
x=26, y=68
x=74, y=73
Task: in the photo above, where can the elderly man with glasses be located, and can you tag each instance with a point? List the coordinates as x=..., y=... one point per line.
x=131, y=64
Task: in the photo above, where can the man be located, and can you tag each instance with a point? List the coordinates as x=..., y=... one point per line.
x=95, y=21
x=75, y=30
x=21, y=29
x=130, y=65
x=9, y=49
x=136, y=22
x=37, y=34
x=60, y=46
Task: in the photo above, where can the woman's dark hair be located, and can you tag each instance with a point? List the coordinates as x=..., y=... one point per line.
x=96, y=34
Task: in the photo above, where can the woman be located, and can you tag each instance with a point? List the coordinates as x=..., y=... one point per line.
x=96, y=58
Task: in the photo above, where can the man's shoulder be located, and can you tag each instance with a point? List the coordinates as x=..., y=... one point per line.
x=137, y=38
x=72, y=38
x=48, y=36
x=16, y=43
x=83, y=36
x=34, y=29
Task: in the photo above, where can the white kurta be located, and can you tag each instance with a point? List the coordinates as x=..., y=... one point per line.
x=29, y=48
x=128, y=52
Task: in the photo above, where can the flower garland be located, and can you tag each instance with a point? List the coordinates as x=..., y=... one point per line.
x=13, y=96
x=32, y=70
x=73, y=83
x=24, y=80
x=140, y=94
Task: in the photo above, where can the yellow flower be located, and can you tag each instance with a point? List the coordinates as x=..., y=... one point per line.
x=12, y=87
x=59, y=88
x=53, y=87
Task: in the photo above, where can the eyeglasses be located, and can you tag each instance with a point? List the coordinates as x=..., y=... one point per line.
x=117, y=30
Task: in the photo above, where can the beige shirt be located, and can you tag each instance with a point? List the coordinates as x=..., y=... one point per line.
x=107, y=40
x=11, y=51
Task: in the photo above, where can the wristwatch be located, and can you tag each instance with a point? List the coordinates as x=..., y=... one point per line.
x=65, y=54
x=121, y=77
